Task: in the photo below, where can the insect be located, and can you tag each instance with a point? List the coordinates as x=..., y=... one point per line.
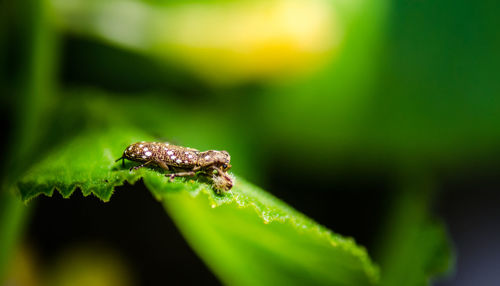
x=190, y=161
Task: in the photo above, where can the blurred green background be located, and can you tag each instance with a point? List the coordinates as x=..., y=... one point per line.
x=380, y=120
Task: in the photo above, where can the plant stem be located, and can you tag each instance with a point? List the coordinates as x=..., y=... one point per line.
x=32, y=97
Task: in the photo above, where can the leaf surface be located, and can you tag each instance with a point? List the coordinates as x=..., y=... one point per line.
x=246, y=236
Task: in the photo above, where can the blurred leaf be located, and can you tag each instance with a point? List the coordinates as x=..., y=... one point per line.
x=223, y=42
x=23, y=267
x=415, y=247
x=92, y=264
x=28, y=85
x=419, y=257
x=246, y=237
x=13, y=214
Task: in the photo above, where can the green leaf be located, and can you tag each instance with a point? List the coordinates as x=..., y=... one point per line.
x=87, y=162
x=246, y=236
x=416, y=248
